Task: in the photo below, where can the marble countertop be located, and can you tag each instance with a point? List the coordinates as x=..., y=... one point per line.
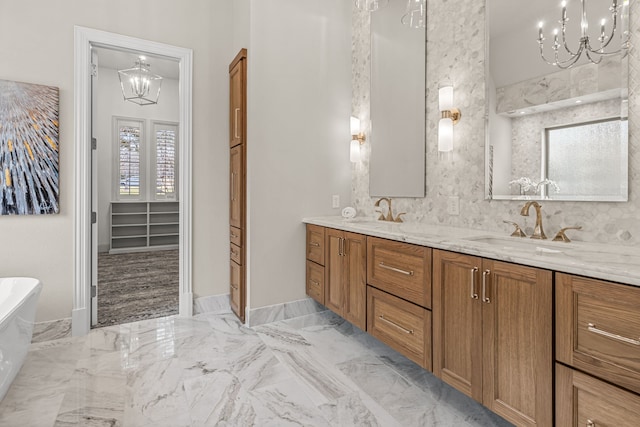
x=608, y=262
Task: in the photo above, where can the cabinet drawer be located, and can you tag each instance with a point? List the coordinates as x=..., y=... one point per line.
x=598, y=328
x=315, y=281
x=236, y=254
x=315, y=243
x=582, y=400
x=401, y=269
x=401, y=325
x=235, y=236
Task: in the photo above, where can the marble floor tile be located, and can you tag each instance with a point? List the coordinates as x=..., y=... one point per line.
x=209, y=370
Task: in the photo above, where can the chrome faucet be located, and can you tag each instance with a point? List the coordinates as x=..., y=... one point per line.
x=538, y=232
x=389, y=216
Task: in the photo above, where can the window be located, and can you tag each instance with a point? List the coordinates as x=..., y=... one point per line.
x=130, y=165
x=165, y=166
x=145, y=167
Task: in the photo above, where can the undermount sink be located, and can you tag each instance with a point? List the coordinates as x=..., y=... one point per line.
x=539, y=246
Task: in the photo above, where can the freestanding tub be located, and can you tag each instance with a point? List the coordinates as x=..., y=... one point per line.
x=18, y=298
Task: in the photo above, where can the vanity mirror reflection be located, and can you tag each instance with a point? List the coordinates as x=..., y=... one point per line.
x=557, y=126
x=397, y=138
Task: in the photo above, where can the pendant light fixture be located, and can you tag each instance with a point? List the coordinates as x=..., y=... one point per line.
x=139, y=85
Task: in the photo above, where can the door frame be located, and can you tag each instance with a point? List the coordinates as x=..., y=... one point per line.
x=84, y=39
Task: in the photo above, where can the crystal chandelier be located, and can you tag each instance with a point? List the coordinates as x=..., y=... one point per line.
x=139, y=85
x=594, y=54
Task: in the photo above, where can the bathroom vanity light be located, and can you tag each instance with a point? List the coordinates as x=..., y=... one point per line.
x=357, y=139
x=416, y=14
x=449, y=117
x=139, y=85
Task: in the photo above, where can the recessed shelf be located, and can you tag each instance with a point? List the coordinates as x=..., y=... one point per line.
x=139, y=226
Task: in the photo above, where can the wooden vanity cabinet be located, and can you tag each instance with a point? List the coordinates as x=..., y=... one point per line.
x=598, y=338
x=598, y=328
x=345, y=275
x=315, y=262
x=492, y=334
x=582, y=400
x=237, y=181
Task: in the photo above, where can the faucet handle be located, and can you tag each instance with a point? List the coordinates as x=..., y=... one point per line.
x=398, y=219
x=562, y=237
x=381, y=217
x=518, y=231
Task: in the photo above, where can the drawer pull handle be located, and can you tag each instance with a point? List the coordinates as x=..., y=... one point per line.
x=405, y=330
x=397, y=270
x=233, y=252
x=235, y=288
x=485, y=299
x=315, y=283
x=316, y=244
x=592, y=328
x=590, y=423
x=474, y=294
x=233, y=236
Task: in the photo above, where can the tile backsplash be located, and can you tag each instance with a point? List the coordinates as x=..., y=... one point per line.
x=456, y=53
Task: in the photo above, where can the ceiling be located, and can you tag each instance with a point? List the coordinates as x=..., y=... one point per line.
x=119, y=60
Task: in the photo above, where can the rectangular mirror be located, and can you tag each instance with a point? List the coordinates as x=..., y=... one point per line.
x=397, y=138
x=557, y=124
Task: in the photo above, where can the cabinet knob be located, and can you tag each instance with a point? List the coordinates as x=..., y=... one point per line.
x=591, y=423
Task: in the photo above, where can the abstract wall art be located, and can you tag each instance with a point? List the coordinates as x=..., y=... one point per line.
x=29, y=176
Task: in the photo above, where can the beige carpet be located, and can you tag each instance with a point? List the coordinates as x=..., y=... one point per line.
x=137, y=286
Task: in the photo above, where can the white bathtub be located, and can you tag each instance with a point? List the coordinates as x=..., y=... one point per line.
x=18, y=298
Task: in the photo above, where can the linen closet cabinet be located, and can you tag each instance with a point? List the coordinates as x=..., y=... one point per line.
x=237, y=181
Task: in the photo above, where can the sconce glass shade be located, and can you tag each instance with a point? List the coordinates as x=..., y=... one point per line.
x=416, y=14
x=355, y=125
x=445, y=135
x=370, y=5
x=445, y=98
x=354, y=151
x=139, y=85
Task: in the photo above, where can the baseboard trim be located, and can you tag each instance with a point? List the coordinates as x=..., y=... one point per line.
x=215, y=304
x=284, y=311
x=51, y=330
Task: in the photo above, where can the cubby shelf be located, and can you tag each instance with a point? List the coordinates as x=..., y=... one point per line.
x=143, y=226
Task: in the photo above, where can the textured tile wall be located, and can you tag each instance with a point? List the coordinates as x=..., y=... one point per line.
x=455, y=53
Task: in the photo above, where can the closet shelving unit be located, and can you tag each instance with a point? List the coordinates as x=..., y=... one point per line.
x=143, y=226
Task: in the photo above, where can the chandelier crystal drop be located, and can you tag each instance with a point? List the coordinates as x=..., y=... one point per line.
x=139, y=85
x=564, y=57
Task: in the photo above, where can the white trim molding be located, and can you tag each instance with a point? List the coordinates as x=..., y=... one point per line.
x=84, y=39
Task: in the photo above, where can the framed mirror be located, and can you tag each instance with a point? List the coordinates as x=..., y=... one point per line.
x=398, y=92
x=557, y=125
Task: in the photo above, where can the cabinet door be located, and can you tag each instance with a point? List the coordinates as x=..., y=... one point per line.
x=355, y=279
x=236, y=191
x=236, y=290
x=517, y=342
x=237, y=85
x=598, y=328
x=457, y=322
x=334, y=268
x=582, y=400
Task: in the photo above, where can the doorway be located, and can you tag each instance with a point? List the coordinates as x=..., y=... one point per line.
x=86, y=241
x=134, y=189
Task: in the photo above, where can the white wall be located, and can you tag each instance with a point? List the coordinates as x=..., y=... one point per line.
x=41, y=51
x=299, y=104
x=109, y=103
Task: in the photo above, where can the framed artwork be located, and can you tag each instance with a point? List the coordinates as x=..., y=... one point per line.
x=29, y=134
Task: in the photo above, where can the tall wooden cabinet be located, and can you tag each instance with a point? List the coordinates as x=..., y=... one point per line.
x=237, y=181
x=493, y=336
x=346, y=275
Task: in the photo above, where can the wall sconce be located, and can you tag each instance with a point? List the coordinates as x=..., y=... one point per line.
x=357, y=139
x=449, y=117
